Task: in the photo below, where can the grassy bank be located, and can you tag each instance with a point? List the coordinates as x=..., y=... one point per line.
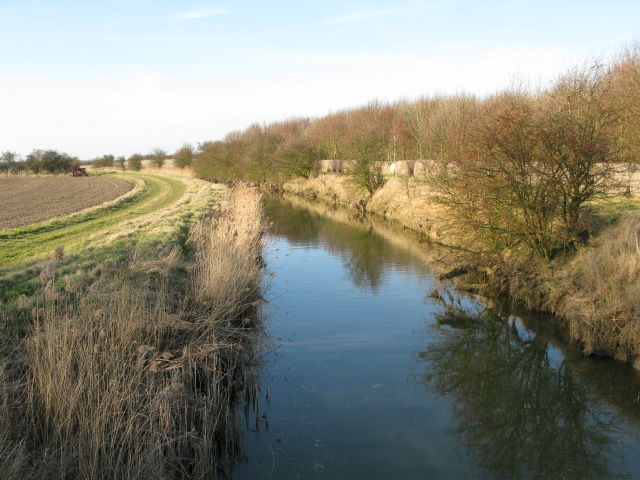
x=132, y=358
x=594, y=290
x=158, y=211
x=152, y=194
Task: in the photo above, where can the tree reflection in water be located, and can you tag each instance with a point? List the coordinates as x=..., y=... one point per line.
x=521, y=413
x=363, y=263
x=366, y=255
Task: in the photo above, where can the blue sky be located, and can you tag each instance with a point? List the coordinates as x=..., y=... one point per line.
x=94, y=77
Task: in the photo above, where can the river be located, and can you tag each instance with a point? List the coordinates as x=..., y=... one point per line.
x=379, y=372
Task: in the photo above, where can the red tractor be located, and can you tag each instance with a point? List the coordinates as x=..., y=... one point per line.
x=78, y=172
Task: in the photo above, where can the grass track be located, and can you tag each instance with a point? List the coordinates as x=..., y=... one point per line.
x=153, y=194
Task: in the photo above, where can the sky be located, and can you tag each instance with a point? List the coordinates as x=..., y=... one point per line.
x=90, y=78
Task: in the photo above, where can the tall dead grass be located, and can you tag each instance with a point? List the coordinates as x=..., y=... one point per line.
x=599, y=292
x=230, y=241
x=137, y=377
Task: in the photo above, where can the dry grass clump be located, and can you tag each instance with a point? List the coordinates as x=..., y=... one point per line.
x=406, y=200
x=170, y=169
x=409, y=201
x=338, y=189
x=228, y=249
x=135, y=376
x=599, y=292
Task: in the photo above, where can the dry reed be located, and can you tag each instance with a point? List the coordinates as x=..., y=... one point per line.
x=133, y=378
x=229, y=242
x=599, y=292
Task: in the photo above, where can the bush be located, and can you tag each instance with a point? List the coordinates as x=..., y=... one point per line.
x=300, y=160
x=531, y=162
x=121, y=163
x=49, y=161
x=106, y=161
x=135, y=162
x=184, y=156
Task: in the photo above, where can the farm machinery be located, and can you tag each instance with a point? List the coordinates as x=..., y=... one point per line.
x=79, y=172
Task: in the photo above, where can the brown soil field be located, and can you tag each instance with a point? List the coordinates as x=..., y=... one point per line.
x=25, y=200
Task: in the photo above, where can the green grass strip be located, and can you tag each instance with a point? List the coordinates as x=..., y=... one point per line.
x=73, y=231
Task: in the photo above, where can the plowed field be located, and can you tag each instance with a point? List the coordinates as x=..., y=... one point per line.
x=156, y=207
x=24, y=201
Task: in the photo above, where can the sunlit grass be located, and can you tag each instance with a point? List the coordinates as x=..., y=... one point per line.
x=135, y=363
x=159, y=211
x=152, y=195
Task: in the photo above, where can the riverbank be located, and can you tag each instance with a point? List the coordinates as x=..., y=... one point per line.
x=139, y=364
x=418, y=370
x=594, y=290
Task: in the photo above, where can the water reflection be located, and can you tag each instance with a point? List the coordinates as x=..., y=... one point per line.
x=347, y=302
x=299, y=225
x=520, y=411
x=361, y=243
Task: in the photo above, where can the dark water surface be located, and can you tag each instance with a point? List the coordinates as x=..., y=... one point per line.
x=379, y=373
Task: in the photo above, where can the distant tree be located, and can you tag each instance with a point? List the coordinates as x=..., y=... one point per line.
x=33, y=161
x=120, y=162
x=367, y=170
x=212, y=163
x=4, y=164
x=49, y=161
x=415, y=117
x=106, y=161
x=625, y=91
x=431, y=128
x=368, y=143
x=261, y=147
x=55, y=162
x=158, y=156
x=109, y=160
x=183, y=157
x=326, y=134
x=300, y=160
x=10, y=162
x=222, y=160
x=135, y=162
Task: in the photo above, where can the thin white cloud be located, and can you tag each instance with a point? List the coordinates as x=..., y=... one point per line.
x=413, y=7
x=145, y=80
x=355, y=17
x=580, y=47
x=285, y=57
x=204, y=13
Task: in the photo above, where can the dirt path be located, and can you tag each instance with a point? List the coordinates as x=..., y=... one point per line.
x=24, y=201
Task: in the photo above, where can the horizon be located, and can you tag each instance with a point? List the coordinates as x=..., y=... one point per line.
x=90, y=79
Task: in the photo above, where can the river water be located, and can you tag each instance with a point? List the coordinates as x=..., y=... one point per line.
x=378, y=372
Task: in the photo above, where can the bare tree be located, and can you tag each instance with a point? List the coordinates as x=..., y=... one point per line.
x=158, y=156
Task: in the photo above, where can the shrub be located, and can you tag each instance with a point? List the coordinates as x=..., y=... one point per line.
x=531, y=163
x=158, y=156
x=183, y=156
x=135, y=162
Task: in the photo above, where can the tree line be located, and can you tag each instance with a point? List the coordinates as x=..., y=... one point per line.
x=38, y=161
x=182, y=158
x=54, y=162
x=511, y=170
